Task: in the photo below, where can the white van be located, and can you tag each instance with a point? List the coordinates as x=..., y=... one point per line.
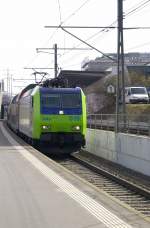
x=136, y=95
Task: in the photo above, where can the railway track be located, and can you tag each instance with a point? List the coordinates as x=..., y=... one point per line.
x=132, y=195
x=125, y=191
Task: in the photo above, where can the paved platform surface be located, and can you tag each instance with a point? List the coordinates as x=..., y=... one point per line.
x=35, y=192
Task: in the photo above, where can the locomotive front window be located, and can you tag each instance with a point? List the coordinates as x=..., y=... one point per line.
x=50, y=100
x=71, y=100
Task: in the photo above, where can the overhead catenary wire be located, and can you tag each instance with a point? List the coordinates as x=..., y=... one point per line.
x=61, y=22
x=75, y=12
x=137, y=8
x=101, y=32
x=89, y=38
x=70, y=16
x=113, y=23
x=137, y=46
x=114, y=60
x=111, y=26
x=59, y=11
x=136, y=5
x=132, y=10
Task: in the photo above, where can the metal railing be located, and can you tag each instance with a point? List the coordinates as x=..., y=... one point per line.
x=127, y=123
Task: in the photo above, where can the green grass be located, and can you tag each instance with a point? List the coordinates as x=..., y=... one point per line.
x=138, y=109
x=139, y=112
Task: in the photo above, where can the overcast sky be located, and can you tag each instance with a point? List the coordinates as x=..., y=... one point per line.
x=22, y=31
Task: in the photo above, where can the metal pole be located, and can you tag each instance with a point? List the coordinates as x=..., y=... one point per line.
x=2, y=85
x=55, y=60
x=118, y=71
x=120, y=66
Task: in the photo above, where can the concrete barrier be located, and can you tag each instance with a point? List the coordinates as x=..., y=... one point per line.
x=131, y=151
x=102, y=143
x=134, y=152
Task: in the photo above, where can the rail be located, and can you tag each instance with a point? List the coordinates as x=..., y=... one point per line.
x=124, y=190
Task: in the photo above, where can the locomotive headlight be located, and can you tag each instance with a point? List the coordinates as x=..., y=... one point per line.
x=45, y=127
x=76, y=128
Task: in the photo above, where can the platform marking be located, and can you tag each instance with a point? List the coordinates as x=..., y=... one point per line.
x=97, y=210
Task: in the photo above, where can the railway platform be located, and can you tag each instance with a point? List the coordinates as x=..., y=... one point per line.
x=36, y=192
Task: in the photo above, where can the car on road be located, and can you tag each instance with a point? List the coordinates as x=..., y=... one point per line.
x=136, y=94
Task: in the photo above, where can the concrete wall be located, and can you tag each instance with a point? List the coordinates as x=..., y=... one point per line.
x=131, y=151
x=102, y=143
x=134, y=152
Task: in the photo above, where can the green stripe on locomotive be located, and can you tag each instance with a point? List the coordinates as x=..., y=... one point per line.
x=56, y=123
x=36, y=116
